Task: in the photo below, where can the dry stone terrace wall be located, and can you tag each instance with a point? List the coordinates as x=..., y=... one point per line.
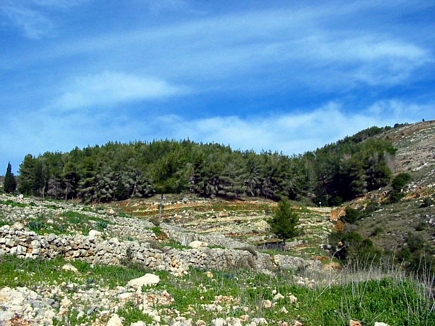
x=27, y=244
x=112, y=246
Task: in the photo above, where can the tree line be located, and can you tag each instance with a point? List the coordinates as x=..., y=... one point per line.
x=116, y=171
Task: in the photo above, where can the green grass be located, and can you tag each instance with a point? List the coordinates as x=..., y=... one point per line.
x=395, y=300
x=131, y=313
x=158, y=232
x=69, y=222
x=12, y=203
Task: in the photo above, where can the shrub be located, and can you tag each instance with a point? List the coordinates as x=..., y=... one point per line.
x=159, y=233
x=420, y=226
x=417, y=257
x=36, y=225
x=400, y=181
x=395, y=196
x=352, y=215
x=336, y=201
x=101, y=225
x=415, y=242
x=378, y=230
x=371, y=207
x=427, y=202
x=354, y=249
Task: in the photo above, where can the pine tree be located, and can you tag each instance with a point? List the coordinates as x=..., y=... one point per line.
x=284, y=221
x=26, y=178
x=10, y=183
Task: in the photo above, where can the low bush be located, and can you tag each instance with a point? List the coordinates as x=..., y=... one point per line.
x=352, y=215
x=398, y=183
x=427, y=202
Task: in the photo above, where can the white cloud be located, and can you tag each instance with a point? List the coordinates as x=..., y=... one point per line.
x=34, y=24
x=295, y=132
x=293, y=47
x=286, y=44
x=31, y=17
x=291, y=133
x=298, y=52
x=110, y=88
x=394, y=111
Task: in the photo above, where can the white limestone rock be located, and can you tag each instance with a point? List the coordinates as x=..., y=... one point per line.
x=94, y=234
x=146, y=280
x=115, y=320
x=138, y=323
x=197, y=244
x=69, y=267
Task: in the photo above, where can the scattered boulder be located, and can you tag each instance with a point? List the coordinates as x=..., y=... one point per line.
x=18, y=226
x=197, y=244
x=146, y=280
x=115, y=320
x=293, y=299
x=278, y=297
x=218, y=322
x=139, y=323
x=69, y=267
x=94, y=234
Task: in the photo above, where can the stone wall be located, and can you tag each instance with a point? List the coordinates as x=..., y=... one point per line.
x=18, y=241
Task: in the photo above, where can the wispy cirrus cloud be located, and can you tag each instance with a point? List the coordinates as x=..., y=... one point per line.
x=31, y=16
x=300, y=47
x=291, y=133
x=282, y=75
x=291, y=45
x=34, y=24
x=111, y=88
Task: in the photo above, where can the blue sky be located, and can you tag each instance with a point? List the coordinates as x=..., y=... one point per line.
x=286, y=76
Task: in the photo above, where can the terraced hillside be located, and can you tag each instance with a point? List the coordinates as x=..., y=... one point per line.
x=242, y=220
x=213, y=261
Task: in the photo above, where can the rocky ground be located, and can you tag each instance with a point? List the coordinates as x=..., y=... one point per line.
x=188, y=232
x=415, y=154
x=210, y=236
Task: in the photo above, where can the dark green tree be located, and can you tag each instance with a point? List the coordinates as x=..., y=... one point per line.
x=10, y=183
x=284, y=221
x=26, y=178
x=335, y=173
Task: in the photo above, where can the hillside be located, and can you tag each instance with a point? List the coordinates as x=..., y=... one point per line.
x=415, y=145
x=212, y=261
x=390, y=226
